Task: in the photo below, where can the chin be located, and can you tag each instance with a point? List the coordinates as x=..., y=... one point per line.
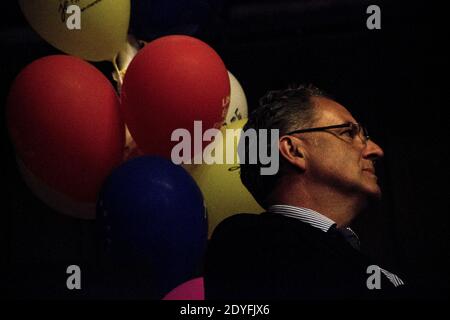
x=374, y=192
x=370, y=187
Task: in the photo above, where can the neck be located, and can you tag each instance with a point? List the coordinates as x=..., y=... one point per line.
x=339, y=207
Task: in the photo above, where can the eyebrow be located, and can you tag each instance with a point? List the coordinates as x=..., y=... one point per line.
x=348, y=122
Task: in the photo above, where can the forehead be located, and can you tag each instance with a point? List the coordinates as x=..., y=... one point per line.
x=329, y=112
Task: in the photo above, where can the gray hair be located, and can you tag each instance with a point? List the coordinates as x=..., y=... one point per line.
x=285, y=110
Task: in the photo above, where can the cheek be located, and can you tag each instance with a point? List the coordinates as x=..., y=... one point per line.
x=331, y=165
x=343, y=164
x=334, y=160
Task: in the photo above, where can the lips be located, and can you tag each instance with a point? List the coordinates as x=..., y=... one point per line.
x=371, y=170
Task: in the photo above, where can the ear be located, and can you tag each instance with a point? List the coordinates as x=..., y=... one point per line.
x=292, y=151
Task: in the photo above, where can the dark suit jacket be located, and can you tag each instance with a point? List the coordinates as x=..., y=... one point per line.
x=269, y=256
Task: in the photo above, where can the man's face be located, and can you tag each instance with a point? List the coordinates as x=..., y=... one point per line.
x=335, y=159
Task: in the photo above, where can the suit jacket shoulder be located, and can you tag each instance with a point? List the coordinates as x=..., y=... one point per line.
x=268, y=256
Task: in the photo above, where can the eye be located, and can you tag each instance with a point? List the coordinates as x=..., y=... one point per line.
x=349, y=133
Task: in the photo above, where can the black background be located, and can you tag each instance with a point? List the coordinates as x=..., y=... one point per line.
x=393, y=80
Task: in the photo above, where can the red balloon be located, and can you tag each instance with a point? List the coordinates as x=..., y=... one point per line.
x=64, y=120
x=171, y=82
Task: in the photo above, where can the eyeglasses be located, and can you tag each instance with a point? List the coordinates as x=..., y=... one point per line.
x=355, y=129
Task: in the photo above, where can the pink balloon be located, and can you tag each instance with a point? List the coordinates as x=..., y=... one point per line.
x=190, y=290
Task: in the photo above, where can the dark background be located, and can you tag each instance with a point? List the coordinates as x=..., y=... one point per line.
x=393, y=80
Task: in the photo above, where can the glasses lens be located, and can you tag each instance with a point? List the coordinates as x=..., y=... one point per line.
x=363, y=133
x=355, y=130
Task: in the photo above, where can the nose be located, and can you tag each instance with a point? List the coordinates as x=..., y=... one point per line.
x=373, y=151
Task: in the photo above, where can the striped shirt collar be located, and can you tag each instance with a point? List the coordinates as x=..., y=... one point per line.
x=306, y=215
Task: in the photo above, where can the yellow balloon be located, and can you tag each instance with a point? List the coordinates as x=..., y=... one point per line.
x=222, y=189
x=99, y=33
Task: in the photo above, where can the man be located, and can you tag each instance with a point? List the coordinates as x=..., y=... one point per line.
x=302, y=248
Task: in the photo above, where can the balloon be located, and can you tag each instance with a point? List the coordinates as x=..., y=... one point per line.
x=54, y=199
x=63, y=119
x=171, y=82
x=131, y=149
x=238, y=108
x=190, y=290
x=152, y=218
x=103, y=26
x=221, y=185
x=123, y=60
x=154, y=18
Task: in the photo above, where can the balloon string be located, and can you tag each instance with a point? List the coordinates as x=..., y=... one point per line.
x=119, y=75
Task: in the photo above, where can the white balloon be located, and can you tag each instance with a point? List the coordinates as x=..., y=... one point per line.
x=238, y=108
x=124, y=58
x=54, y=199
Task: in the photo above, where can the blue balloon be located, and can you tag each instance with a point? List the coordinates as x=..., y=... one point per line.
x=151, y=19
x=152, y=224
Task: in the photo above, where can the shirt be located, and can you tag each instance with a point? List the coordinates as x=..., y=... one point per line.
x=317, y=220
